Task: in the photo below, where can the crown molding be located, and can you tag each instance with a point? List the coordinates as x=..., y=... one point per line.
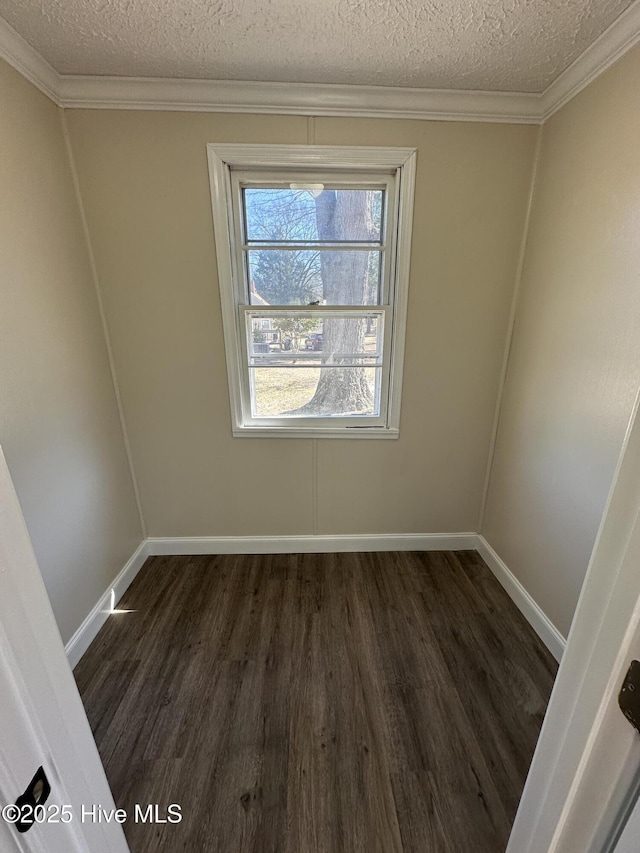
x=26, y=59
x=232, y=96
x=607, y=49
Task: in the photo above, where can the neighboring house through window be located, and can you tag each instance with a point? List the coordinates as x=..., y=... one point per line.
x=313, y=246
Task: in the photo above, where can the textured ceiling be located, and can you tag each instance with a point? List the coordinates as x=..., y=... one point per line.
x=509, y=45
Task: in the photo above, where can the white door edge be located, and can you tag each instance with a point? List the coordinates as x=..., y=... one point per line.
x=35, y=663
x=571, y=763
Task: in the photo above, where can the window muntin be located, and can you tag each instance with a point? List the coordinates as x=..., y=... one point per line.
x=302, y=324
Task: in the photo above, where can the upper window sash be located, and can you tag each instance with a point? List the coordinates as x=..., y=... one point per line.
x=384, y=247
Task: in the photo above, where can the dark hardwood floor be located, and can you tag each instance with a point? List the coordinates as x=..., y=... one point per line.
x=318, y=703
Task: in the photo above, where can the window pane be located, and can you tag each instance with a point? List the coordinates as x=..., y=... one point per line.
x=330, y=339
x=313, y=215
x=303, y=276
x=315, y=392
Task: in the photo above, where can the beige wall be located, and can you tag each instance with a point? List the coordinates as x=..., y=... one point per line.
x=573, y=372
x=575, y=363
x=59, y=423
x=144, y=181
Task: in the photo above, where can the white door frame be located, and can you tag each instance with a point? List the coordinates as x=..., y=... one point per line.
x=588, y=754
x=37, y=681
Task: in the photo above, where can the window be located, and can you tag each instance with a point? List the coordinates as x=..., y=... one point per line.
x=313, y=247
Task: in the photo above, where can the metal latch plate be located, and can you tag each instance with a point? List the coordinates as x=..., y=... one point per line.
x=629, y=696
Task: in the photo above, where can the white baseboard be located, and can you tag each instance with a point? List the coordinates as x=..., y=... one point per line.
x=542, y=625
x=313, y=544
x=533, y=613
x=86, y=633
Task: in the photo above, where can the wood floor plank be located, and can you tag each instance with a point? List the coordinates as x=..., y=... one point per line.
x=318, y=703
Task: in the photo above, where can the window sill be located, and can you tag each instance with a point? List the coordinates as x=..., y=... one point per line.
x=296, y=432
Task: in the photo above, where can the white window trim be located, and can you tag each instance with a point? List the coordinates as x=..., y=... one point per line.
x=223, y=158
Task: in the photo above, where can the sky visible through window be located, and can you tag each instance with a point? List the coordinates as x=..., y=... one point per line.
x=286, y=215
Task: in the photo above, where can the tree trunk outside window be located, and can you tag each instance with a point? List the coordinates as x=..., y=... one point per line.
x=344, y=280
